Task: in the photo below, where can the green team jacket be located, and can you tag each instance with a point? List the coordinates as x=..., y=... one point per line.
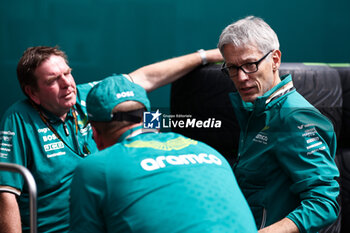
x=26, y=140
x=285, y=164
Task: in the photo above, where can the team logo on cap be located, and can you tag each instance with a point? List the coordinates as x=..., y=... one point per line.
x=151, y=120
x=125, y=94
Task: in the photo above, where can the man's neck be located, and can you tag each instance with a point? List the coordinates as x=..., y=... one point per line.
x=277, y=80
x=120, y=132
x=42, y=110
x=110, y=140
x=63, y=117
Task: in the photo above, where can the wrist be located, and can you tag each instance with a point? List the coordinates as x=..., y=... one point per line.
x=203, y=56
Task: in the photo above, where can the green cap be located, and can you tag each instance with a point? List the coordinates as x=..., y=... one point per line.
x=110, y=92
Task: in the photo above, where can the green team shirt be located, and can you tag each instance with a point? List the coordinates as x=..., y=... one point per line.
x=154, y=183
x=286, y=162
x=26, y=140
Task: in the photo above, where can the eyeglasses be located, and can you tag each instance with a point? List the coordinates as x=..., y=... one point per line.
x=248, y=68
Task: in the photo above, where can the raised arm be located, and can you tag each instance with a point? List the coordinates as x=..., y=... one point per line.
x=161, y=73
x=10, y=219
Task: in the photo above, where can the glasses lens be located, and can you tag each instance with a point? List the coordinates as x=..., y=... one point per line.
x=229, y=71
x=233, y=71
x=250, y=67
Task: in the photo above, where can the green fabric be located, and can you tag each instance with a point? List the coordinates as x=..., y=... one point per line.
x=110, y=92
x=154, y=183
x=27, y=141
x=286, y=162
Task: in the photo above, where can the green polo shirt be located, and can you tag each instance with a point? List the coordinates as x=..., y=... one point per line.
x=156, y=183
x=26, y=140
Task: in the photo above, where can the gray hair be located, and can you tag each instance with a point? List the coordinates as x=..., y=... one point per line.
x=252, y=31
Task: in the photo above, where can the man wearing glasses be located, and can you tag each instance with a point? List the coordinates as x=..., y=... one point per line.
x=285, y=164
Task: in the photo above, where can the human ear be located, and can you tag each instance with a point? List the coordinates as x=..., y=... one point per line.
x=276, y=59
x=97, y=138
x=32, y=94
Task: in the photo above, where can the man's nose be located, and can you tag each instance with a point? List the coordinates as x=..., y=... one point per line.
x=241, y=75
x=65, y=80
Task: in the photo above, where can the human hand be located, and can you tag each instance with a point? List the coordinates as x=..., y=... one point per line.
x=213, y=56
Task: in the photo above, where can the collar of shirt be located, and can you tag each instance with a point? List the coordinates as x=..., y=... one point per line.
x=262, y=102
x=52, y=118
x=135, y=131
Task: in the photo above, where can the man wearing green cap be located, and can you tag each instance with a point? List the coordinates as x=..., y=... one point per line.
x=46, y=132
x=145, y=181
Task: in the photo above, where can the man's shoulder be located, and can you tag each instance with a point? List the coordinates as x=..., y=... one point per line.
x=102, y=160
x=295, y=103
x=298, y=110
x=93, y=160
x=297, y=100
x=21, y=107
x=86, y=86
x=82, y=92
x=20, y=104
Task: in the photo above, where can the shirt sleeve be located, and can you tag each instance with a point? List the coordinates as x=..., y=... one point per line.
x=13, y=149
x=307, y=156
x=87, y=197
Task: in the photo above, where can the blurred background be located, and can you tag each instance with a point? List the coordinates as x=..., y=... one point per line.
x=102, y=37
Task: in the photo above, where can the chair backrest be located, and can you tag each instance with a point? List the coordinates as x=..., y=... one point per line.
x=203, y=93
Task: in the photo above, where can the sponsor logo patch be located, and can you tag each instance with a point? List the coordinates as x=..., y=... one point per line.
x=125, y=94
x=53, y=146
x=261, y=138
x=150, y=164
x=173, y=144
